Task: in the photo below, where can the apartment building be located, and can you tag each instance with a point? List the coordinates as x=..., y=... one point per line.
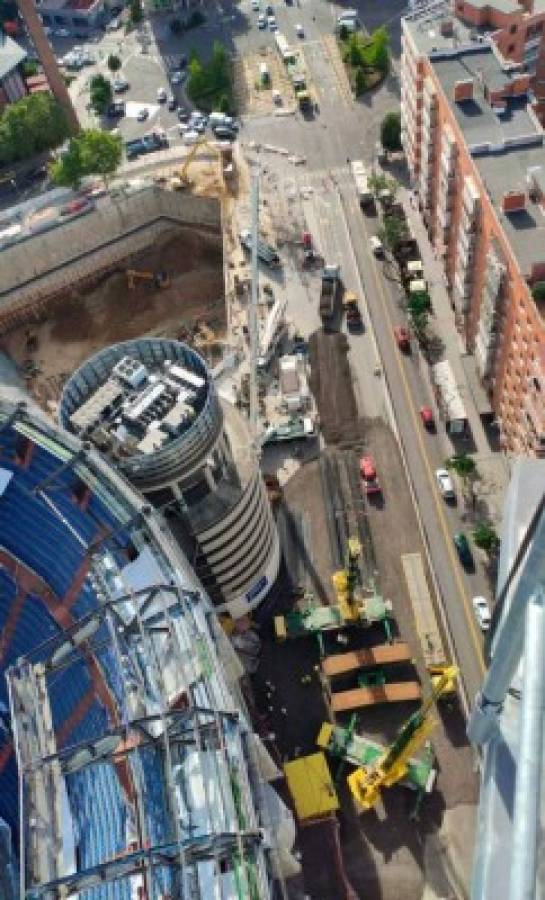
x=476, y=155
x=516, y=28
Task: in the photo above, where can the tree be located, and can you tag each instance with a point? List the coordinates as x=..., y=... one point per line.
x=91, y=152
x=354, y=50
x=379, y=182
x=393, y=231
x=136, y=12
x=209, y=84
x=380, y=58
x=464, y=466
x=360, y=82
x=419, y=301
x=390, y=132
x=101, y=94
x=29, y=68
x=538, y=291
x=30, y=126
x=485, y=537
x=114, y=63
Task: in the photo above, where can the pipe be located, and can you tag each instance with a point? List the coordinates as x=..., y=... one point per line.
x=527, y=791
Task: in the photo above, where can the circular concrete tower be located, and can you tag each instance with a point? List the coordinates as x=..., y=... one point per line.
x=152, y=408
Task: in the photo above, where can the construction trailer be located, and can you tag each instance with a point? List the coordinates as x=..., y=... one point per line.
x=317, y=618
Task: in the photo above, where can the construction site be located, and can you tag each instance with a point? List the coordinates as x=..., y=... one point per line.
x=348, y=673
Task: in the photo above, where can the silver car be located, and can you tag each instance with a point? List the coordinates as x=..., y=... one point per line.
x=445, y=485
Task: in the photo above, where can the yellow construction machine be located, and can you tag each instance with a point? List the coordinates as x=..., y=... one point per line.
x=223, y=151
x=346, y=581
x=159, y=279
x=392, y=765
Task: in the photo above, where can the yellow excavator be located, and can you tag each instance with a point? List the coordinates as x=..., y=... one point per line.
x=392, y=765
x=160, y=279
x=224, y=152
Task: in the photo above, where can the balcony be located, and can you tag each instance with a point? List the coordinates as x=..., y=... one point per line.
x=466, y=242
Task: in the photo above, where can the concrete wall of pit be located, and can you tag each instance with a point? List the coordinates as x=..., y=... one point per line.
x=43, y=269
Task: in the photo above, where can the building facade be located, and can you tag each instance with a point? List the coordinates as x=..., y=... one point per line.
x=12, y=83
x=476, y=156
x=151, y=406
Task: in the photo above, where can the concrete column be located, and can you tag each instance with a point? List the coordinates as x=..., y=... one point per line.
x=48, y=61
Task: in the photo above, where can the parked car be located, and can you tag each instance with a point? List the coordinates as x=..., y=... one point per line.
x=402, y=338
x=271, y=22
x=120, y=85
x=482, y=613
x=191, y=136
x=223, y=133
x=116, y=109
x=368, y=474
x=426, y=414
x=183, y=115
x=255, y=5
x=261, y=22
x=299, y=31
x=177, y=77
x=463, y=549
x=142, y=114
x=172, y=103
x=161, y=95
x=376, y=246
x=445, y=485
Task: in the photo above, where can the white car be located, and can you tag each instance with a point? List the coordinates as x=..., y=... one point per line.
x=191, y=137
x=142, y=114
x=271, y=22
x=261, y=22
x=177, y=77
x=255, y=5
x=299, y=31
x=161, y=95
x=445, y=485
x=482, y=613
x=376, y=245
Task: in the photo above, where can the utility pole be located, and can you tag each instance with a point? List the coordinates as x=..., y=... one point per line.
x=252, y=315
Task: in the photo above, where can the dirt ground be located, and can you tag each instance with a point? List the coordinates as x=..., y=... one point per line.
x=386, y=853
x=88, y=321
x=252, y=98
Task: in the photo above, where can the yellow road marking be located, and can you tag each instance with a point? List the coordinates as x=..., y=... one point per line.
x=431, y=478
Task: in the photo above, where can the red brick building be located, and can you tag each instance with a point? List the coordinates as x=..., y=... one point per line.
x=476, y=154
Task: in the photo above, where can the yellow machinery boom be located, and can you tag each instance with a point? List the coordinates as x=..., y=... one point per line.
x=224, y=154
x=346, y=581
x=392, y=766
x=160, y=279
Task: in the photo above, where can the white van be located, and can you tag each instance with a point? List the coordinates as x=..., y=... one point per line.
x=190, y=137
x=216, y=118
x=347, y=14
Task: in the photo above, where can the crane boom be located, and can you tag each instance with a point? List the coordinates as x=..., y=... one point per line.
x=366, y=783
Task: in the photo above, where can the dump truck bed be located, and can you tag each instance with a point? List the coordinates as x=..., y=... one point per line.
x=381, y=655
x=371, y=696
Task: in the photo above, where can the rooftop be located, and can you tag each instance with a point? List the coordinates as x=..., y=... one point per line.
x=504, y=143
x=11, y=54
x=508, y=6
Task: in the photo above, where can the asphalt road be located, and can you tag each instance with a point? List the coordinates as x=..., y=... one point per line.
x=344, y=128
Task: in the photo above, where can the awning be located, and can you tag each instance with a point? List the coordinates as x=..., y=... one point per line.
x=480, y=397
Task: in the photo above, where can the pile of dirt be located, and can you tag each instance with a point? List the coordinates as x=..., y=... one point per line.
x=331, y=385
x=86, y=321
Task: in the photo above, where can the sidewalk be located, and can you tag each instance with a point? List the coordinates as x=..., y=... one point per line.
x=494, y=469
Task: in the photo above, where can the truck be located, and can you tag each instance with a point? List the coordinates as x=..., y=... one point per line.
x=354, y=321
x=361, y=178
x=265, y=252
x=328, y=291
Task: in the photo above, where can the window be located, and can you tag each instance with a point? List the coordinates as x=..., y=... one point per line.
x=196, y=492
x=511, y=48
